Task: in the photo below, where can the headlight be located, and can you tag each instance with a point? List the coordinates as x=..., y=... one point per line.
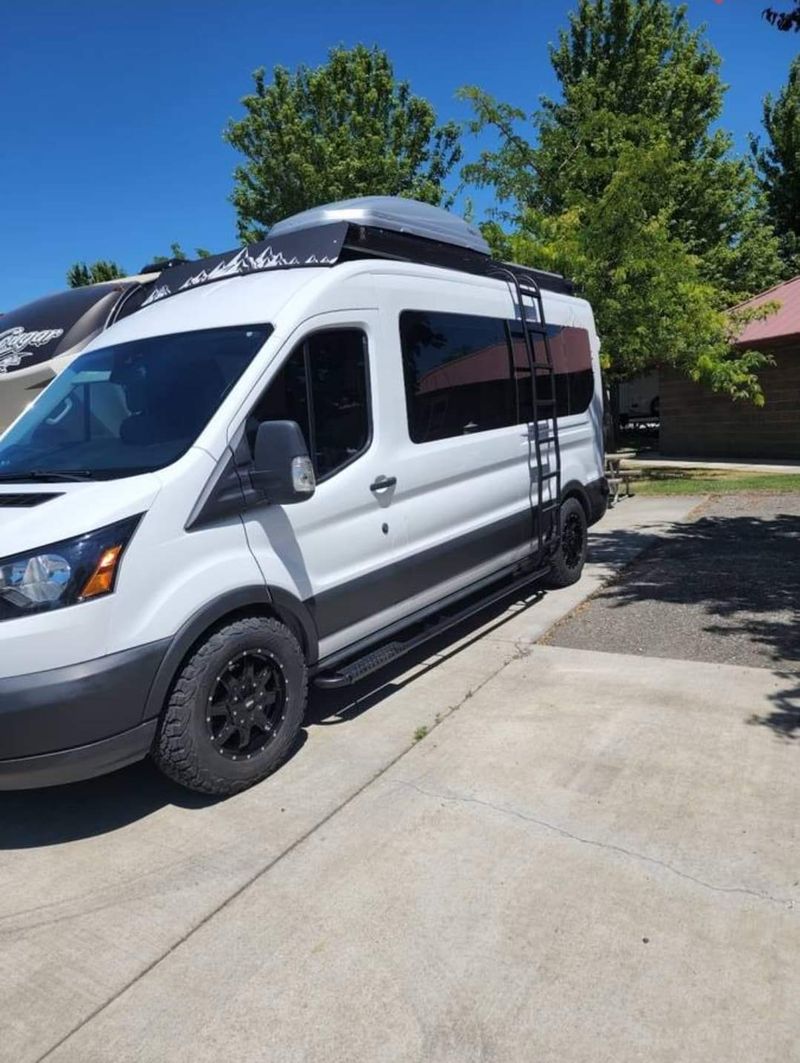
x=64, y=573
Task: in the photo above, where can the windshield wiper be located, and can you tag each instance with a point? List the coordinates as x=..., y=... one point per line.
x=45, y=475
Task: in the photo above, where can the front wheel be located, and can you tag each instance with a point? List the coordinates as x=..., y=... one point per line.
x=235, y=708
x=569, y=558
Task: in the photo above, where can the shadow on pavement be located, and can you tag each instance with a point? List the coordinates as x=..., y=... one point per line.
x=744, y=571
x=56, y=814
x=784, y=720
x=620, y=546
x=32, y=818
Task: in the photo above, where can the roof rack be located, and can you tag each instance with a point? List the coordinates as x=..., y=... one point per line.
x=362, y=242
x=372, y=227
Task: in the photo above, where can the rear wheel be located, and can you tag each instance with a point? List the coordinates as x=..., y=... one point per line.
x=235, y=708
x=568, y=560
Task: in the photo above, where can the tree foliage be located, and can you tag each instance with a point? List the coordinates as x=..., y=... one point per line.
x=80, y=274
x=778, y=165
x=177, y=254
x=346, y=128
x=624, y=184
x=785, y=19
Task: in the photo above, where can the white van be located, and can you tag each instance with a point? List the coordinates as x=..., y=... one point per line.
x=298, y=460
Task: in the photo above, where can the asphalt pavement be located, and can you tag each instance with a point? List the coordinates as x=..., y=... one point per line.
x=724, y=587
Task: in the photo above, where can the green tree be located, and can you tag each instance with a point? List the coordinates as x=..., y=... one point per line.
x=346, y=128
x=177, y=254
x=624, y=184
x=778, y=165
x=80, y=274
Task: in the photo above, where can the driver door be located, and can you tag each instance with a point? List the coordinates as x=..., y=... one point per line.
x=335, y=552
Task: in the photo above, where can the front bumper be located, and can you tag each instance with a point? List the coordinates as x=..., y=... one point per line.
x=75, y=722
x=82, y=762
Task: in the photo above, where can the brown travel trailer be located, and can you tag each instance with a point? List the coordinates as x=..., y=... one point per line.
x=41, y=338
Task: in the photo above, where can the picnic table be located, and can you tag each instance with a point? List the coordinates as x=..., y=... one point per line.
x=618, y=477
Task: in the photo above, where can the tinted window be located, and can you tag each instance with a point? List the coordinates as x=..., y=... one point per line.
x=324, y=386
x=132, y=407
x=571, y=357
x=523, y=376
x=457, y=371
x=572, y=353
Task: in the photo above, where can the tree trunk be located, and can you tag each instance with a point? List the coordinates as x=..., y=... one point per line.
x=611, y=426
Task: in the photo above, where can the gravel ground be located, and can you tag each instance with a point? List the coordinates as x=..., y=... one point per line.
x=724, y=587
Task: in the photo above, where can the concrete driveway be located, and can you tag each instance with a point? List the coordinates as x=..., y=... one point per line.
x=590, y=856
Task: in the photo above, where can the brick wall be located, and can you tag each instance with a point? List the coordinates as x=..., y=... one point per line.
x=697, y=422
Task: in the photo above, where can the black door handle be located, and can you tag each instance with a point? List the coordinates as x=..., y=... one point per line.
x=382, y=483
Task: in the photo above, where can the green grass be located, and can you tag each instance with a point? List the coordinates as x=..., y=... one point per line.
x=716, y=481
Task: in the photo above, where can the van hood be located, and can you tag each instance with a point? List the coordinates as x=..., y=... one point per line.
x=32, y=516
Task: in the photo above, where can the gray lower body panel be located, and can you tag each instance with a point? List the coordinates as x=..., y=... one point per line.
x=82, y=762
x=88, y=714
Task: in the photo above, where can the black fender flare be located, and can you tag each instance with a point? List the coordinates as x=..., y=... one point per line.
x=575, y=489
x=258, y=597
x=296, y=615
x=592, y=496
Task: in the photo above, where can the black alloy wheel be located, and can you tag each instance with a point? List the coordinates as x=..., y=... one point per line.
x=572, y=540
x=247, y=704
x=569, y=558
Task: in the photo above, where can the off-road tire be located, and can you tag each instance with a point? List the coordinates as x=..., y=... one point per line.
x=183, y=748
x=570, y=556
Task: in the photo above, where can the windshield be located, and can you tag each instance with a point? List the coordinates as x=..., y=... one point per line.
x=130, y=408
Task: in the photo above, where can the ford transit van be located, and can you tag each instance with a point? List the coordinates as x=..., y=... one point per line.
x=293, y=464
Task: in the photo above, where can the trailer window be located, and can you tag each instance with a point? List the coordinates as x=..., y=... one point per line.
x=457, y=371
x=324, y=387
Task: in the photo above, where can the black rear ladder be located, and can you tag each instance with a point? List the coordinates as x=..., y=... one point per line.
x=548, y=532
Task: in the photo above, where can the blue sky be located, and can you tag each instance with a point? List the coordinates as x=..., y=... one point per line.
x=111, y=120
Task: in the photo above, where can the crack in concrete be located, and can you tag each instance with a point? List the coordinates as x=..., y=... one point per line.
x=786, y=903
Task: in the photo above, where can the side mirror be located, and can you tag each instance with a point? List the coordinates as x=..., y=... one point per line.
x=282, y=468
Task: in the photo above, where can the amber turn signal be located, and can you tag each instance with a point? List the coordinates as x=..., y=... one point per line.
x=101, y=580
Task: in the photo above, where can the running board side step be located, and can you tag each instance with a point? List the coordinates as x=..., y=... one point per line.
x=358, y=669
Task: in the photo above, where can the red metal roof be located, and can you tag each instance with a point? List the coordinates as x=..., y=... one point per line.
x=782, y=324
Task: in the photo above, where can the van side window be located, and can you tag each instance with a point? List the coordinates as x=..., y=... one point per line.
x=457, y=371
x=572, y=361
x=324, y=386
x=572, y=351
x=522, y=374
